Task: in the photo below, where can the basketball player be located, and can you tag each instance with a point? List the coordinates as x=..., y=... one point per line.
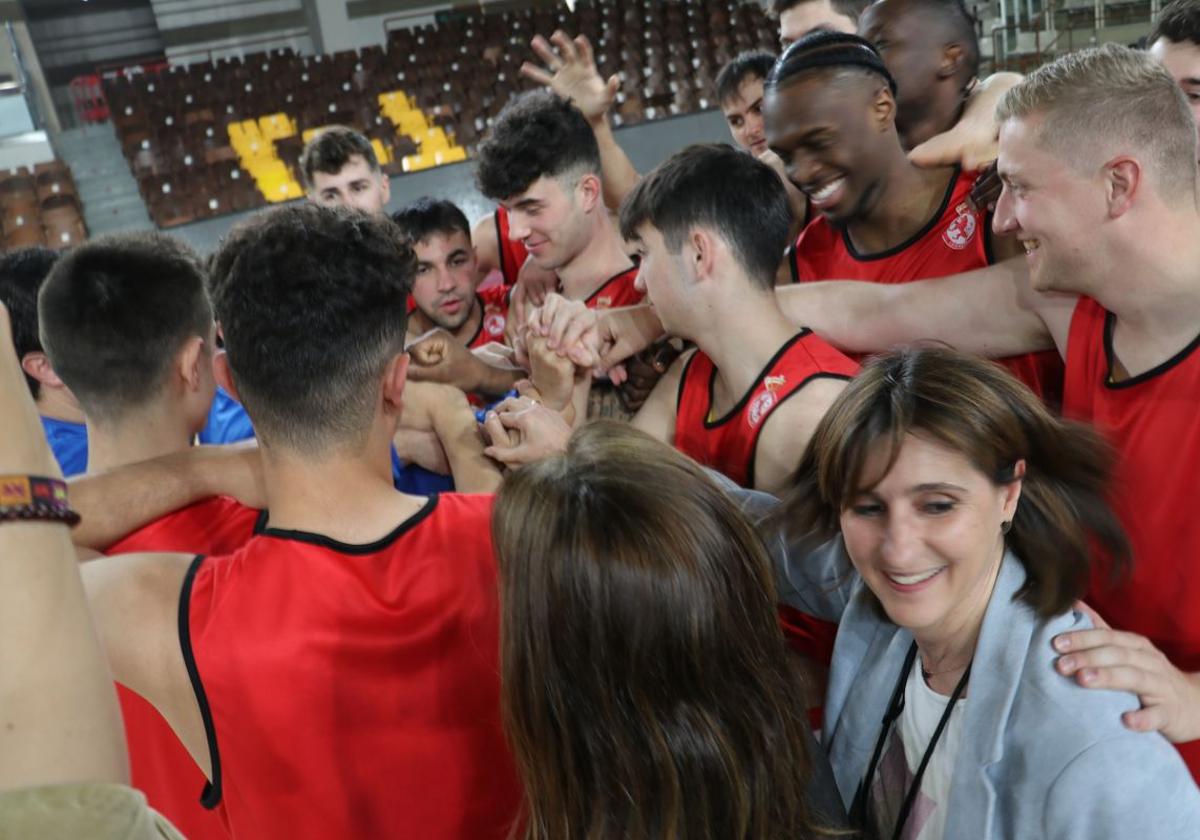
x=22, y=273
x=337, y=676
x=127, y=323
x=447, y=300
x=340, y=169
x=831, y=113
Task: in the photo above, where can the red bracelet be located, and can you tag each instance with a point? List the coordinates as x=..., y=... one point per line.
x=30, y=498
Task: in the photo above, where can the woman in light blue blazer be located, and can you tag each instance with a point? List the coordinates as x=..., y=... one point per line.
x=963, y=515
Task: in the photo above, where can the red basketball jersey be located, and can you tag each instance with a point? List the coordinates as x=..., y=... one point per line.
x=493, y=304
x=729, y=444
x=159, y=764
x=617, y=291
x=954, y=241
x=512, y=252
x=1151, y=419
x=353, y=690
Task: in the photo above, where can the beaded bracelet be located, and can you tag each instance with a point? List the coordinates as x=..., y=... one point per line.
x=29, y=498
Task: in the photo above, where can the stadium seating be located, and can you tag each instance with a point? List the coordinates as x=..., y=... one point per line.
x=207, y=139
x=40, y=207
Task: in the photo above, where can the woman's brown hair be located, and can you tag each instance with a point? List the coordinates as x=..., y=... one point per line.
x=646, y=686
x=979, y=410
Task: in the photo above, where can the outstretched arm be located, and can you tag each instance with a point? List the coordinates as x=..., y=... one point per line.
x=570, y=71
x=115, y=503
x=59, y=711
x=973, y=142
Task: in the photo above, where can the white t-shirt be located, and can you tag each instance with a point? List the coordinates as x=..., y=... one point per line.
x=906, y=745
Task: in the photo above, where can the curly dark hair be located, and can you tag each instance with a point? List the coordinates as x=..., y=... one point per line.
x=1179, y=21
x=115, y=311
x=312, y=302
x=22, y=273
x=537, y=134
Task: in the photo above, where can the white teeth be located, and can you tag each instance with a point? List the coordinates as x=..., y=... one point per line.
x=911, y=580
x=827, y=190
x=1030, y=245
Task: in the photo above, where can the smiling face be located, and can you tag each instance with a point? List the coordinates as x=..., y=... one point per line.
x=1052, y=210
x=834, y=135
x=926, y=538
x=1182, y=61
x=444, y=285
x=355, y=185
x=550, y=220
x=743, y=113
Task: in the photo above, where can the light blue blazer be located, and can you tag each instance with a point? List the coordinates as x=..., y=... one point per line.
x=1040, y=756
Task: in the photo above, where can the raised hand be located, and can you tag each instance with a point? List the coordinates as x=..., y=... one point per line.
x=570, y=71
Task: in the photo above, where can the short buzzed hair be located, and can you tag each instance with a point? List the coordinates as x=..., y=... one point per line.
x=331, y=149
x=115, y=311
x=1179, y=21
x=1104, y=100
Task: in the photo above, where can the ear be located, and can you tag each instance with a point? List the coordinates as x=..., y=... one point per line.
x=38, y=366
x=1123, y=179
x=188, y=360
x=1012, y=491
x=883, y=109
x=953, y=57
x=385, y=186
x=702, y=252
x=590, y=190
x=394, y=377
x=223, y=374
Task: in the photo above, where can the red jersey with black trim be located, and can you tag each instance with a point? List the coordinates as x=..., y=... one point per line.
x=493, y=304
x=729, y=444
x=1151, y=420
x=159, y=764
x=954, y=241
x=617, y=291
x=512, y=252
x=353, y=690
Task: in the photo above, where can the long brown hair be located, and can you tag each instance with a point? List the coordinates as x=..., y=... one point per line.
x=981, y=411
x=647, y=690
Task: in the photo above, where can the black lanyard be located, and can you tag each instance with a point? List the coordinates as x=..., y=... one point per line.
x=858, y=810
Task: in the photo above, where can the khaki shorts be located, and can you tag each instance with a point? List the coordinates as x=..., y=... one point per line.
x=75, y=812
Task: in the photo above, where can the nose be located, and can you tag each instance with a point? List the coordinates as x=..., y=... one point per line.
x=518, y=226
x=754, y=127
x=445, y=281
x=901, y=541
x=802, y=168
x=1004, y=220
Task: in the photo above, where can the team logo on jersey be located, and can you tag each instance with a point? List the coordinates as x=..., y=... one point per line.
x=603, y=302
x=493, y=321
x=764, y=402
x=961, y=231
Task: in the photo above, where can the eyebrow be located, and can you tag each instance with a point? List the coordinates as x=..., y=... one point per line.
x=754, y=104
x=457, y=252
x=936, y=486
x=526, y=203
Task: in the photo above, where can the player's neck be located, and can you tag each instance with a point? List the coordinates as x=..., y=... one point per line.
x=908, y=200
x=419, y=323
x=58, y=404
x=149, y=432
x=748, y=333
x=602, y=258
x=1150, y=283
x=934, y=119
x=346, y=494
